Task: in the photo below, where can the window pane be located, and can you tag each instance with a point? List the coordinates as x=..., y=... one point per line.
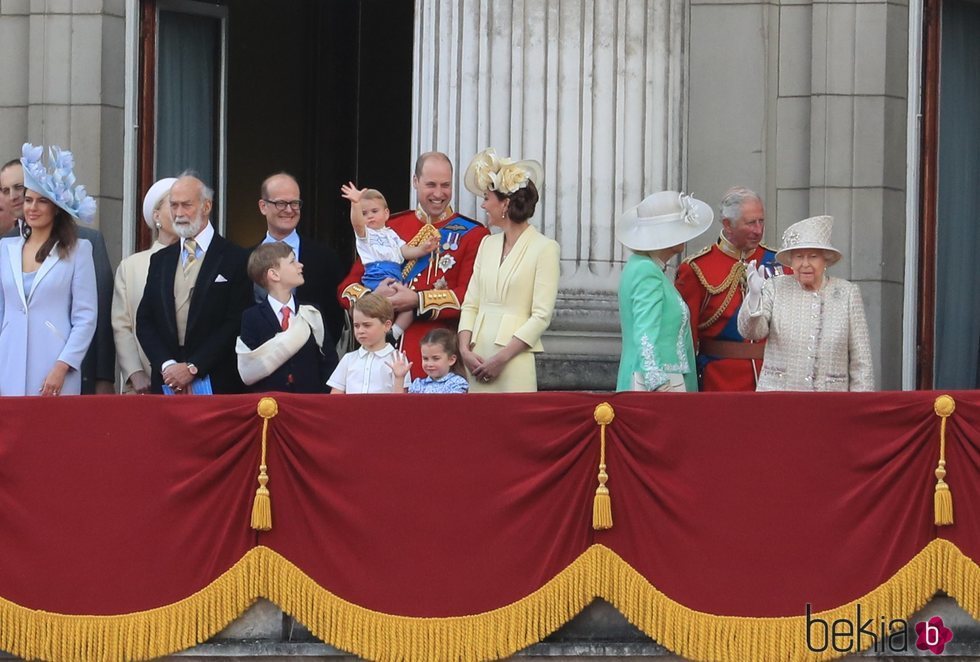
x=958, y=231
x=187, y=100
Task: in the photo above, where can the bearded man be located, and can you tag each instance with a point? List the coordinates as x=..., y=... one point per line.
x=192, y=306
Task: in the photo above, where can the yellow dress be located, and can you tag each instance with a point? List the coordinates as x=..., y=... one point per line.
x=513, y=298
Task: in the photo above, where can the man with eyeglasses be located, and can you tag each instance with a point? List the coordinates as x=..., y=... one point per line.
x=99, y=366
x=281, y=204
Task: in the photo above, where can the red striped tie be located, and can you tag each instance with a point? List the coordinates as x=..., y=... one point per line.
x=285, y=317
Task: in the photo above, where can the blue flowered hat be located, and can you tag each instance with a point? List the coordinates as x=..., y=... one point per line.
x=58, y=185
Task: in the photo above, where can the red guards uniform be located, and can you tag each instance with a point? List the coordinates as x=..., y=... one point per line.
x=712, y=283
x=440, y=278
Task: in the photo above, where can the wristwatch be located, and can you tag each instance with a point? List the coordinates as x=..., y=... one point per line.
x=192, y=368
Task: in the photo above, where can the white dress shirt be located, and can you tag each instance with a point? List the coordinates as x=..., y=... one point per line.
x=362, y=371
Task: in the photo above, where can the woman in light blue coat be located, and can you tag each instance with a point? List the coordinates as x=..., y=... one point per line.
x=658, y=352
x=48, y=300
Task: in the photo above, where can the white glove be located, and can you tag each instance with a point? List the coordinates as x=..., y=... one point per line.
x=755, y=277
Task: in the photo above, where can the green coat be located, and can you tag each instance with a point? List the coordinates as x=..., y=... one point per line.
x=656, y=328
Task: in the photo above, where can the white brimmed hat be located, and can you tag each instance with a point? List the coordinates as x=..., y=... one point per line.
x=813, y=232
x=156, y=193
x=663, y=220
x=488, y=172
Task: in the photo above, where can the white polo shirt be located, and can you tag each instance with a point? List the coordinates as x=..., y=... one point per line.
x=362, y=371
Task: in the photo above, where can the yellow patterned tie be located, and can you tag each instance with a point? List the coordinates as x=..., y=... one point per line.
x=191, y=247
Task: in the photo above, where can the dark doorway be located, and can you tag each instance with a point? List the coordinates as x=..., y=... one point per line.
x=322, y=90
x=949, y=328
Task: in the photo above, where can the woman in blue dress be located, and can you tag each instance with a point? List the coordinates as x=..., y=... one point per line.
x=48, y=300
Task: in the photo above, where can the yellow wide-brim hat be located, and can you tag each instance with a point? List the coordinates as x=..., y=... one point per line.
x=488, y=172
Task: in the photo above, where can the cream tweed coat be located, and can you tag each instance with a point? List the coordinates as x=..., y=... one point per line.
x=817, y=340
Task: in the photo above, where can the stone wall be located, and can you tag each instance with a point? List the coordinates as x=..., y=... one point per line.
x=805, y=101
x=71, y=94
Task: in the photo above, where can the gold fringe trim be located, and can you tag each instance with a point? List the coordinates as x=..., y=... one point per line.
x=943, y=499
x=597, y=573
x=701, y=636
x=140, y=635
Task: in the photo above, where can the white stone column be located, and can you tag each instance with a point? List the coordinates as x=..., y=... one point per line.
x=68, y=92
x=594, y=89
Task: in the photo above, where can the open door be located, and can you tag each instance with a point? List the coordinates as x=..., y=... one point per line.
x=321, y=90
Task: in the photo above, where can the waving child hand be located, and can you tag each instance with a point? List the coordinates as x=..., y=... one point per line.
x=351, y=192
x=400, y=365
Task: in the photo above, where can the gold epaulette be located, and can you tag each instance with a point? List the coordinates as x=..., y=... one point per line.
x=435, y=301
x=703, y=251
x=354, y=291
x=767, y=248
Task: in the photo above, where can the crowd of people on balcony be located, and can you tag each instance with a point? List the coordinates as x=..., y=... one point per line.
x=435, y=302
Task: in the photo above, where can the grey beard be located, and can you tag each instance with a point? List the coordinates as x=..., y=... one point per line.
x=188, y=231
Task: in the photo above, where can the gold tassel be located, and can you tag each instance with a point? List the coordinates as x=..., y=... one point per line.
x=262, y=506
x=943, y=500
x=602, y=504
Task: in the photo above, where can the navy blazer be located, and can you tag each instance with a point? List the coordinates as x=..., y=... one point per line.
x=306, y=371
x=221, y=294
x=322, y=273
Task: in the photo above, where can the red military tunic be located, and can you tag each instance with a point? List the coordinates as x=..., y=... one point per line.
x=712, y=283
x=441, y=283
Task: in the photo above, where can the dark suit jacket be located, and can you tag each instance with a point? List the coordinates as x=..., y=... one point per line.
x=322, y=273
x=306, y=372
x=100, y=361
x=213, y=319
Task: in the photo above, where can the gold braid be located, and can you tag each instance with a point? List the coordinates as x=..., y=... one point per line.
x=735, y=277
x=425, y=232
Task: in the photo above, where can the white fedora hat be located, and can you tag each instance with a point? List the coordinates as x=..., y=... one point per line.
x=813, y=232
x=663, y=220
x=157, y=192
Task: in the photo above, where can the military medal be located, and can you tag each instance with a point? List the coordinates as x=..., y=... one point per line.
x=446, y=262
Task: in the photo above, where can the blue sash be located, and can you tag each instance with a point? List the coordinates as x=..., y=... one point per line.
x=459, y=226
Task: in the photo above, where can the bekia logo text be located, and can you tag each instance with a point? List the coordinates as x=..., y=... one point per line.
x=844, y=635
